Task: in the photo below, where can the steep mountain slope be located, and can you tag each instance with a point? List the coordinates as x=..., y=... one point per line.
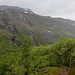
x=17, y=22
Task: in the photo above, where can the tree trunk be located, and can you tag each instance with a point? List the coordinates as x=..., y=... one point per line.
x=70, y=62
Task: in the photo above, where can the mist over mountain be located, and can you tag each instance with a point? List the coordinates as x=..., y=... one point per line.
x=16, y=23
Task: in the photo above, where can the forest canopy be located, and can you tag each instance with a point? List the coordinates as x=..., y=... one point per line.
x=29, y=59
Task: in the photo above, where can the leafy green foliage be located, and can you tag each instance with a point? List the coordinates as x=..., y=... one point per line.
x=65, y=49
x=25, y=58
x=30, y=60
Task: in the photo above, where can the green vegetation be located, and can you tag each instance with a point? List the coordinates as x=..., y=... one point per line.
x=6, y=44
x=19, y=56
x=39, y=60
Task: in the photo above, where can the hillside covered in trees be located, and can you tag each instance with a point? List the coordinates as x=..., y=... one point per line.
x=40, y=60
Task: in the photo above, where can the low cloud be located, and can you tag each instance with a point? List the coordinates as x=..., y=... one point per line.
x=60, y=8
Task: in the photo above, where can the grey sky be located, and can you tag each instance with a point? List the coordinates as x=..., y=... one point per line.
x=54, y=8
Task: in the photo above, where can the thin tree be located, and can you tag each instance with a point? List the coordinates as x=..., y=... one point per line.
x=26, y=47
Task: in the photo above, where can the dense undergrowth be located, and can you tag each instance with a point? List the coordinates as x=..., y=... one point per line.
x=40, y=60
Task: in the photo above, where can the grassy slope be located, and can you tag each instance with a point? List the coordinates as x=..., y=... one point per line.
x=6, y=44
x=35, y=26
x=57, y=71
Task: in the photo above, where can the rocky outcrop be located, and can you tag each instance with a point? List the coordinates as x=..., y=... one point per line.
x=42, y=29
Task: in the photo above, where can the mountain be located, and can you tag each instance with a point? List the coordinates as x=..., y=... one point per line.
x=16, y=22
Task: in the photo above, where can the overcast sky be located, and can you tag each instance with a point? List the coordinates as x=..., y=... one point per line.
x=53, y=8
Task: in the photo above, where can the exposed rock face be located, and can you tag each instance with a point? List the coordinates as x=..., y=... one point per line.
x=12, y=30
x=42, y=29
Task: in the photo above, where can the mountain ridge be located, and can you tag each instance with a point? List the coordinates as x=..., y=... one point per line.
x=18, y=22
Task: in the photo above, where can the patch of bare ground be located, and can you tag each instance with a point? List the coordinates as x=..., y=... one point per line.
x=64, y=72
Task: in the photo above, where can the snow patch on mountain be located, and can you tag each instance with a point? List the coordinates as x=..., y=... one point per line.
x=49, y=31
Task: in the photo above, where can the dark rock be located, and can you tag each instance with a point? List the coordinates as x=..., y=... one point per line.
x=45, y=70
